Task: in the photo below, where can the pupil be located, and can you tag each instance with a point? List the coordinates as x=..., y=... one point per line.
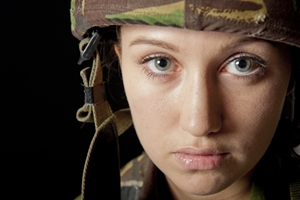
x=242, y=64
x=162, y=62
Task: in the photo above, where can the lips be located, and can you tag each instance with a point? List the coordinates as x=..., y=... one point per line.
x=200, y=159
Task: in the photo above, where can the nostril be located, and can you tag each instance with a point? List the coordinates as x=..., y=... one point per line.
x=201, y=125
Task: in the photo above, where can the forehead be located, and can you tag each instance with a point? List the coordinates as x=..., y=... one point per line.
x=157, y=35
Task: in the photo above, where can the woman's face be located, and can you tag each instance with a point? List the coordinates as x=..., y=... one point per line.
x=205, y=105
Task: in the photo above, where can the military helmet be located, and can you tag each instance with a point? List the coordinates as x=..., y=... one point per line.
x=267, y=19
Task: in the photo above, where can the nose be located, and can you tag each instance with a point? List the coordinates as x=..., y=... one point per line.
x=201, y=110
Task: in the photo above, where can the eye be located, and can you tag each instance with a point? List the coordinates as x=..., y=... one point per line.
x=244, y=65
x=159, y=64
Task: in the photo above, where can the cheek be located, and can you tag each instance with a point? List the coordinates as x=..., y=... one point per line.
x=148, y=106
x=149, y=121
x=252, y=118
x=151, y=113
x=154, y=112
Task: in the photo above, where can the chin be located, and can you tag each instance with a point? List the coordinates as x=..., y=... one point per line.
x=200, y=185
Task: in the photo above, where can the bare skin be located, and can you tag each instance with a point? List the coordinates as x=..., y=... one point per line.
x=205, y=105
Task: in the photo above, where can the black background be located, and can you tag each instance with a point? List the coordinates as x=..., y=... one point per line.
x=43, y=146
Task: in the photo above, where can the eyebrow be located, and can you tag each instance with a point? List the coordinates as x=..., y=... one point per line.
x=171, y=47
x=154, y=42
x=246, y=40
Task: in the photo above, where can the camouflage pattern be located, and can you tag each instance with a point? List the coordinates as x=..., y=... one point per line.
x=275, y=20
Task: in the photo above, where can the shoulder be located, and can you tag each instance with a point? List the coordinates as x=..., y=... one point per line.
x=291, y=169
x=279, y=177
x=132, y=177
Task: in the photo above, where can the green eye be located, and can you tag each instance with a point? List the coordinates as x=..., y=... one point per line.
x=243, y=65
x=162, y=64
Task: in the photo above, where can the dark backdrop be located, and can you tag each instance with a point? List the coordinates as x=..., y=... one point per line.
x=42, y=145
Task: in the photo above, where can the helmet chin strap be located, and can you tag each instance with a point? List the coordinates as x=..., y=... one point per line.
x=101, y=171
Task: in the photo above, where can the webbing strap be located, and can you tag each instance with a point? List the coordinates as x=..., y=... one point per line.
x=101, y=171
x=99, y=110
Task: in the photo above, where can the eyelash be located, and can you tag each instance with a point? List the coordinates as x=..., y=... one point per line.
x=257, y=61
x=252, y=76
x=149, y=72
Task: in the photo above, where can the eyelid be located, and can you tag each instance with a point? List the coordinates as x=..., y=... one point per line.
x=163, y=75
x=245, y=55
x=254, y=58
x=148, y=58
x=258, y=68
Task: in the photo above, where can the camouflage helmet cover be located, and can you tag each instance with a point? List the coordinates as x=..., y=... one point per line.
x=274, y=20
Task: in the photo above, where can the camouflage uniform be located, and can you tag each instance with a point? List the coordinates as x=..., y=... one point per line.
x=272, y=20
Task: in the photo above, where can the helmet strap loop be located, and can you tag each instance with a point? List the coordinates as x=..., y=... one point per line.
x=101, y=170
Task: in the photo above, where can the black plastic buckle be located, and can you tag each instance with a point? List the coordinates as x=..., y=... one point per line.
x=87, y=53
